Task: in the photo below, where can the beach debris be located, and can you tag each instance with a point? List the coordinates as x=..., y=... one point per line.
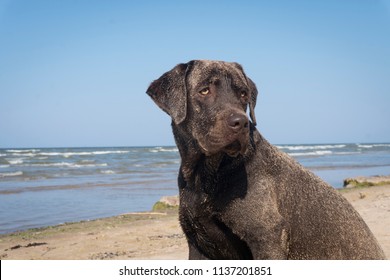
x=34, y=244
x=15, y=247
x=110, y=255
x=171, y=236
x=362, y=195
x=362, y=181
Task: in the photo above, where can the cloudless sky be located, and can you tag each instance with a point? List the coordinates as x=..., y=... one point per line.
x=74, y=73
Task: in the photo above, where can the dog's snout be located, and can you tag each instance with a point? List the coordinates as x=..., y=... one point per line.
x=237, y=121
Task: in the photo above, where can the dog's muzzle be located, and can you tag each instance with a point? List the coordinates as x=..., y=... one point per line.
x=238, y=127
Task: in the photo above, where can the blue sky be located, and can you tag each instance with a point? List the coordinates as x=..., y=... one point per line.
x=74, y=73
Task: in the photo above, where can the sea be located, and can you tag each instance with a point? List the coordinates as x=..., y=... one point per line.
x=50, y=186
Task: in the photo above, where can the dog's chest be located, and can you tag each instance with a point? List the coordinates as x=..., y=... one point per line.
x=202, y=224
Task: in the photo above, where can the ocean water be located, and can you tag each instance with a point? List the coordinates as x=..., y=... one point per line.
x=49, y=186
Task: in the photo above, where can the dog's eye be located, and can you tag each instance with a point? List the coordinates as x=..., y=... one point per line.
x=204, y=91
x=243, y=93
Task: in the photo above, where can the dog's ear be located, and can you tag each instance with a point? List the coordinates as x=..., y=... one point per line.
x=253, y=99
x=170, y=94
x=253, y=94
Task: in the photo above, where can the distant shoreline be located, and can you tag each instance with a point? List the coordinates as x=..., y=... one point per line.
x=173, y=145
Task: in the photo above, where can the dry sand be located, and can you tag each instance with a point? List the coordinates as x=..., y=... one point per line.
x=156, y=235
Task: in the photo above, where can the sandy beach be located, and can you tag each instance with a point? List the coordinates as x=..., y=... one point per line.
x=156, y=235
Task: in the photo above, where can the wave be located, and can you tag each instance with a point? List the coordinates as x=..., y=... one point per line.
x=34, y=153
x=23, y=151
x=311, y=147
x=348, y=166
x=107, y=172
x=347, y=153
x=68, y=164
x=316, y=153
x=15, y=161
x=109, y=152
x=69, y=154
x=370, y=146
x=322, y=153
x=24, y=154
x=11, y=174
x=162, y=149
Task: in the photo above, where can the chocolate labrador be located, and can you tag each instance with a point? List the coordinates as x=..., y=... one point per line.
x=240, y=197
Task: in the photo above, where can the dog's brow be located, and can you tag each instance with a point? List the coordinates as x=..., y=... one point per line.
x=215, y=80
x=238, y=83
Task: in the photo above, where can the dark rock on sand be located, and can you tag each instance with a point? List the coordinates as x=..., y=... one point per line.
x=166, y=203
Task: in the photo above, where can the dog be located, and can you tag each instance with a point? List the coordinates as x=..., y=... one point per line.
x=241, y=197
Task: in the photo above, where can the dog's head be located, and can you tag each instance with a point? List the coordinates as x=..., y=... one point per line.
x=209, y=100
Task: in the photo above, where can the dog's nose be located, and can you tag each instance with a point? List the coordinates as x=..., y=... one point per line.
x=237, y=122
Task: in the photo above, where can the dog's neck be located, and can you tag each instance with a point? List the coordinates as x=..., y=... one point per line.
x=196, y=166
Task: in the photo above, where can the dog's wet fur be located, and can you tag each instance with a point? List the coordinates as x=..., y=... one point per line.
x=240, y=197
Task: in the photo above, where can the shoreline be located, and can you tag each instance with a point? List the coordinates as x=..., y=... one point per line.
x=156, y=235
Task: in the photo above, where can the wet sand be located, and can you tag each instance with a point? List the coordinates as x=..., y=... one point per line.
x=156, y=235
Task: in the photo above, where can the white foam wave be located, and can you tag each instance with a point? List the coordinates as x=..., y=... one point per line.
x=15, y=161
x=4, y=166
x=50, y=154
x=11, y=174
x=365, y=146
x=109, y=152
x=69, y=154
x=3, y=155
x=316, y=153
x=68, y=164
x=369, y=146
x=347, y=153
x=107, y=172
x=161, y=149
x=23, y=151
x=311, y=147
x=25, y=154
